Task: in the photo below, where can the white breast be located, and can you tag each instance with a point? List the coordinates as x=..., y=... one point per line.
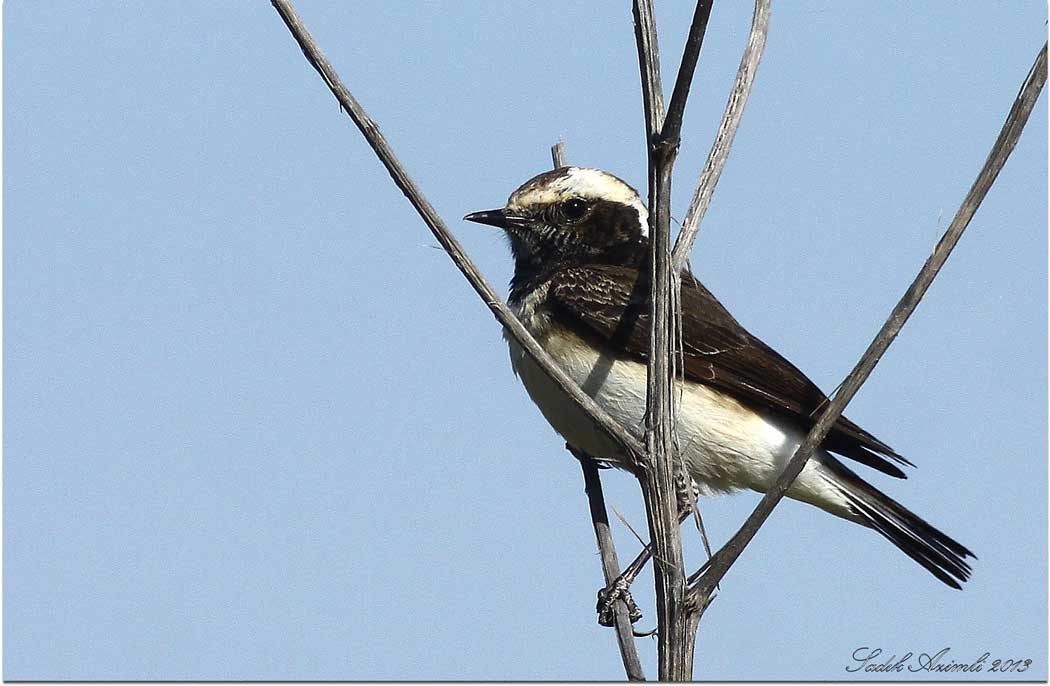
x=725, y=444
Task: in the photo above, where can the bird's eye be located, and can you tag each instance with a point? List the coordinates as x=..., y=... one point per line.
x=574, y=209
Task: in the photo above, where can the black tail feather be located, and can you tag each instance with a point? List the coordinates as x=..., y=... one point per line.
x=941, y=555
x=949, y=567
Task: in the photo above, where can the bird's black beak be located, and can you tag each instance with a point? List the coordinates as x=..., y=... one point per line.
x=490, y=217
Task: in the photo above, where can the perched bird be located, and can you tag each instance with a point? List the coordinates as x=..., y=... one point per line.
x=580, y=238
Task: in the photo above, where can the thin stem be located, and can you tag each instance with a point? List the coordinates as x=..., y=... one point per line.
x=631, y=572
x=603, y=534
x=672, y=128
x=719, y=154
x=1004, y=145
x=649, y=64
x=658, y=477
x=610, y=566
x=558, y=155
x=632, y=448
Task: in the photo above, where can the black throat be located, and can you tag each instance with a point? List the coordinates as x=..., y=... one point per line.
x=610, y=234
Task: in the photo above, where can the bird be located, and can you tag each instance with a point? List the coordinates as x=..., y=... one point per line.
x=579, y=239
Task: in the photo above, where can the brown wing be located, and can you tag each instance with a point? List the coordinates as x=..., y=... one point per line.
x=610, y=304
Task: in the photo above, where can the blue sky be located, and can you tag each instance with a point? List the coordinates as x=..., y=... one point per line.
x=257, y=427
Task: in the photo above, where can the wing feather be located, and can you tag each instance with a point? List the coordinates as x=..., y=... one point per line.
x=609, y=302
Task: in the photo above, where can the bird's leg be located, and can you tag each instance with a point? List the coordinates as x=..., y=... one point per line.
x=619, y=589
x=687, y=493
x=620, y=586
x=607, y=608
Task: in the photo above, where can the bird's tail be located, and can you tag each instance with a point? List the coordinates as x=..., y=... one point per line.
x=941, y=555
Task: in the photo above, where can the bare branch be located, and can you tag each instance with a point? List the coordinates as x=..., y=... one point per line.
x=719, y=154
x=649, y=64
x=638, y=563
x=558, y=155
x=676, y=618
x=622, y=619
x=653, y=462
x=633, y=450
x=672, y=128
x=610, y=566
x=700, y=525
x=658, y=477
x=1004, y=145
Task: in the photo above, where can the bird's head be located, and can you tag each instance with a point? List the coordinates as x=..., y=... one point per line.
x=571, y=216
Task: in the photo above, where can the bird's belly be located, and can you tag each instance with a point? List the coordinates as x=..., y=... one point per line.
x=613, y=384
x=725, y=444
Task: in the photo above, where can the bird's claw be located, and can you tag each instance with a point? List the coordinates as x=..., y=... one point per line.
x=686, y=491
x=620, y=589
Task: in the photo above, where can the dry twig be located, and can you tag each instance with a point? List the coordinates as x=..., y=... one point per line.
x=1004, y=145
x=658, y=476
x=624, y=613
x=719, y=154
x=663, y=137
x=633, y=450
x=679, y=614
x=558, y=155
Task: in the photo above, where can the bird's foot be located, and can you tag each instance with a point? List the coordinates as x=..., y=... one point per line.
x=686, y=492
x=619, y=589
